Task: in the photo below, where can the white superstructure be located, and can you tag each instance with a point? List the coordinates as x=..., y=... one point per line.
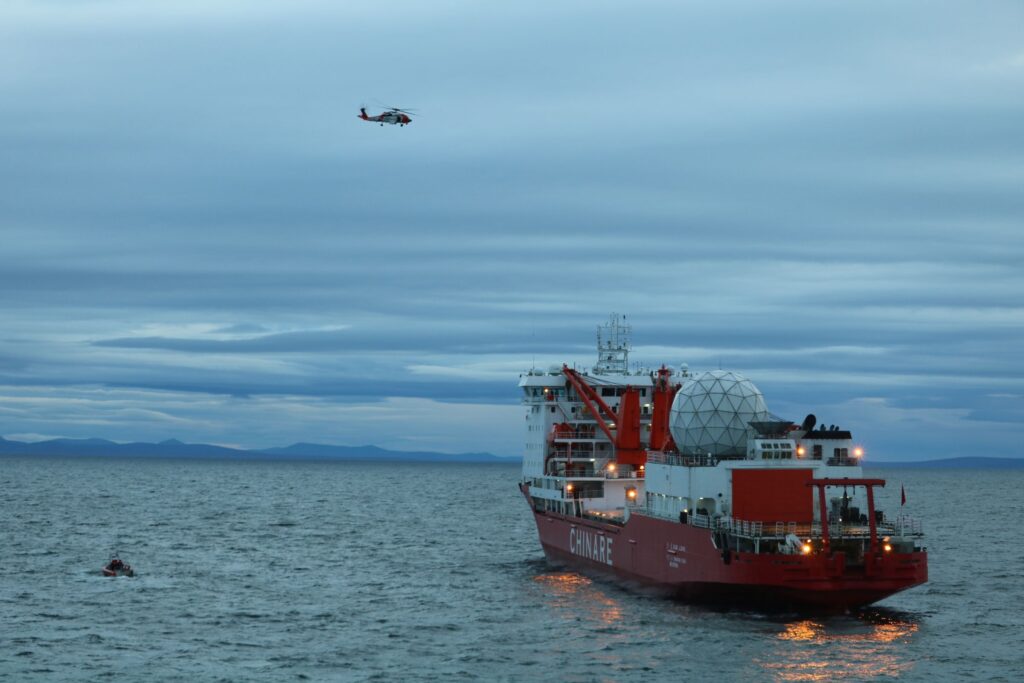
x=719, y=422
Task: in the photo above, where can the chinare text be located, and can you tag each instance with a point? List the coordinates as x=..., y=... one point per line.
x=592, y=546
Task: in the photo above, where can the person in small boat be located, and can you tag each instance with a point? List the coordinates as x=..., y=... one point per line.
x=115, y=564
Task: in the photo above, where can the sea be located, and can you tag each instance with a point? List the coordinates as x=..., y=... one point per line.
x=345, y=571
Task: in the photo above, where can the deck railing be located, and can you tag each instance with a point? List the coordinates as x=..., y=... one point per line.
x=660, y=458
x=905, y=525
x=578, y=434
x=901, y=526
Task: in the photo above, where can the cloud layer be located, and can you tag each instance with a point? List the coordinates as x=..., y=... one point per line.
x=200, y=240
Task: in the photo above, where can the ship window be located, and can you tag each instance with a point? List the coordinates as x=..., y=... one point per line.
x=816, y=451
x=607, y=391
x=552, y=409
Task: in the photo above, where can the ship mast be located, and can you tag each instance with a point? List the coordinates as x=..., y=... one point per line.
x=613, y=346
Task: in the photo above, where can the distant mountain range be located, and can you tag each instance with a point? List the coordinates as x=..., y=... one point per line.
x=172, y=448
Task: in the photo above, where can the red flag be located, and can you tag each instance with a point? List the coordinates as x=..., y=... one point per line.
x=903, y=496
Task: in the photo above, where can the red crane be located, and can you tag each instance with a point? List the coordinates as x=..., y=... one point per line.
x=623, y=428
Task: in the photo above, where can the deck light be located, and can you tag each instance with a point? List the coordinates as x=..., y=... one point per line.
x=800, y=451
x=631, y=494
x=858, y=452
x=611, y=467
x=568, y=488
x=887, y=547
x=806, y=548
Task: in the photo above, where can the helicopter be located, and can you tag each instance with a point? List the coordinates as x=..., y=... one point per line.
x=393, y=115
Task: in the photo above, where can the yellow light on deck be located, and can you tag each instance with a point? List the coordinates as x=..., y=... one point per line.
x=800, y=451
x=631, y=493
x=858, y=452
x=611, y=467
x=806, y=548
x=568, y=488
x=887, y=548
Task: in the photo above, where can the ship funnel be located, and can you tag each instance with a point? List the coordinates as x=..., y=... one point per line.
x=809, y=423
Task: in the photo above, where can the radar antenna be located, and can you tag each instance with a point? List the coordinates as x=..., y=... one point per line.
x=613, y=346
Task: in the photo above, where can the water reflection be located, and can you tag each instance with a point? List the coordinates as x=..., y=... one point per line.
x=579, y=595
x=859, y=647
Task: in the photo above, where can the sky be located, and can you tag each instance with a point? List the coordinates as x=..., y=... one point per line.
x=199, y=239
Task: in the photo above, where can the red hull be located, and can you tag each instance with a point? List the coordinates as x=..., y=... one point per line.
x=682, y=560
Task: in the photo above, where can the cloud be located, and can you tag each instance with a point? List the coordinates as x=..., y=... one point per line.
x=825, y=201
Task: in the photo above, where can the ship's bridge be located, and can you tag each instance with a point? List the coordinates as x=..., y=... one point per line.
x=771, y=449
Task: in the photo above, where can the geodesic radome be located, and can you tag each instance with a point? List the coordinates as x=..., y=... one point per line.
x=712, y=412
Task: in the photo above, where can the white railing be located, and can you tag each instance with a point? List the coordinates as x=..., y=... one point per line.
x=619, y=474
x=660, y=458
x=905, y=525
x=902, y=526
x=578, y=435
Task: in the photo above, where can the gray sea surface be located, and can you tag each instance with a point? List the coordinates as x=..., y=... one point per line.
x=275, y=571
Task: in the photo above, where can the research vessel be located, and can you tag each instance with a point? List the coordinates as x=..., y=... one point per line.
x=685, y=483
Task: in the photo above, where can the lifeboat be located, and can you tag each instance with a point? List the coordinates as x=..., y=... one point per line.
x=117, y=567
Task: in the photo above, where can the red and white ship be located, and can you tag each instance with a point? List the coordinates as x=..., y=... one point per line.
x=686, y=483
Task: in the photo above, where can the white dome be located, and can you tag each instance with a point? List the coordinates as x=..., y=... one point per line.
x=712, y=412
